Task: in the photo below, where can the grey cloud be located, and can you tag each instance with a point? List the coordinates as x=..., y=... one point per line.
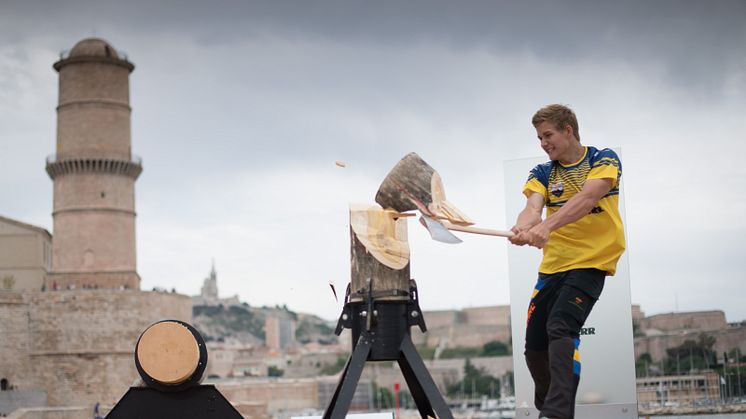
x=253, y=90
x=693, y=38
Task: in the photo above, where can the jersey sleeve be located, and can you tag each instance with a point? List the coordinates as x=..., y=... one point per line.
x=537, y=181
x=605, y=164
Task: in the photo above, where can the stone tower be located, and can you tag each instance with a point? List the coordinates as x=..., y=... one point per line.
x=94, y=171
x=75, y=347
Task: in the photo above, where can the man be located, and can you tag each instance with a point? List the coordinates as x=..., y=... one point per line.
x=582, y=237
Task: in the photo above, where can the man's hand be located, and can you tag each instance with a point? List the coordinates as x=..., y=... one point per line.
x=538, y=236
x=527, y=219
x=576, y=207
x=519, y=239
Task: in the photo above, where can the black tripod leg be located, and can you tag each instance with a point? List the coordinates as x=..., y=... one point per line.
x=420, y=381
x=342, y=398
x=418, y=394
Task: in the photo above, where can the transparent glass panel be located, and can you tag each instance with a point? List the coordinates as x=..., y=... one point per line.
x=608, y=370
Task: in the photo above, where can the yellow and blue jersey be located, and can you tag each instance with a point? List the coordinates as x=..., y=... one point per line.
x=595, y=240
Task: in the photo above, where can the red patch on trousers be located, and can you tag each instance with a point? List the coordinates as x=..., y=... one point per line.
x=531, y=309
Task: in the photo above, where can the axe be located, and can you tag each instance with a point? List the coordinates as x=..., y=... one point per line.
x=414, y=185
x=439, y=230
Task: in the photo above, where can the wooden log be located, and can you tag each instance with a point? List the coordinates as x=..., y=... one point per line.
x=379, y=251
x=168, y=353
x=414, y=185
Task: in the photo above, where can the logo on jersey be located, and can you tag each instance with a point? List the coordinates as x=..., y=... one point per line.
x=557, y=189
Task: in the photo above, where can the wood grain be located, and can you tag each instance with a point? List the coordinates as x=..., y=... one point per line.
x=168, y=353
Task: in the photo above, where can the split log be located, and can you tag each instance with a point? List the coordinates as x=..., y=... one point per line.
x=413, y=185
x=379, y=252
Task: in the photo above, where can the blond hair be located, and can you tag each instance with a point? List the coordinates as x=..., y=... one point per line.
x=559, y=115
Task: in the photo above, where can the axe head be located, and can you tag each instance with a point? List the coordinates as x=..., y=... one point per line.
x=438, y=231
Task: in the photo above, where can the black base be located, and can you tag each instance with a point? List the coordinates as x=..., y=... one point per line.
x=427, y=397
x=199, y=402
x=380, y=332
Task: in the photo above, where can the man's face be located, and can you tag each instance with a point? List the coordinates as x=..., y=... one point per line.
x=557, y=143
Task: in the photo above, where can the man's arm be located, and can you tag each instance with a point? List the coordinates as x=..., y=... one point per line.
x=528, y=218
x=574, y=209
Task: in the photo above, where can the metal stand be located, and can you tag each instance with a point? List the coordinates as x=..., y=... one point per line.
x=380, y=332
x=198, y=402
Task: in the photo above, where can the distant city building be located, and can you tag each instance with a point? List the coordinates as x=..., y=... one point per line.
x=678, y=390
x=279, y=333
x=233, y=360
x=209, y=293
x=637, y=314
x=25, y=256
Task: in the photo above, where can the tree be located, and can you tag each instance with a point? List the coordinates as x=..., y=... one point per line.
x=691, y=355
x=460, y=352
x=642, y=364
x=383, y=398
x=476, y=381
x=273, y=371
x=495, y=348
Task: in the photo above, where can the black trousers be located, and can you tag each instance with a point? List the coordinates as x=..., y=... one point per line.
x=560, y=304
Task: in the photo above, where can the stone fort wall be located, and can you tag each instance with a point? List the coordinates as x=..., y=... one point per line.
x=14, y=339
x=275, y=394
x=700, y=320
x=78, y=345
x=470, y=327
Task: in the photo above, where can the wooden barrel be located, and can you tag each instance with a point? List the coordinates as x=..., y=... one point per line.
x=379, y=254
x=171, y=355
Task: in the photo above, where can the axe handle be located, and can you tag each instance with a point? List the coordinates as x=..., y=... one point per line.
x=477, y=230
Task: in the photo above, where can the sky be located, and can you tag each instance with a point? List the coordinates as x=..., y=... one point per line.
x=241, y=108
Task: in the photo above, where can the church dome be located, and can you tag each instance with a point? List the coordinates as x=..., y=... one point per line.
x=93, y=47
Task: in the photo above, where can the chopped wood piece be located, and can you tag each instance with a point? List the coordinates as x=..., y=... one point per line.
x=379, y=251
x=383, y=236
x=413, y=185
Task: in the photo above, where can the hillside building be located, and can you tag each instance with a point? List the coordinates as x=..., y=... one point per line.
x=25, y=256
x=279, y=333
x=209, y=292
